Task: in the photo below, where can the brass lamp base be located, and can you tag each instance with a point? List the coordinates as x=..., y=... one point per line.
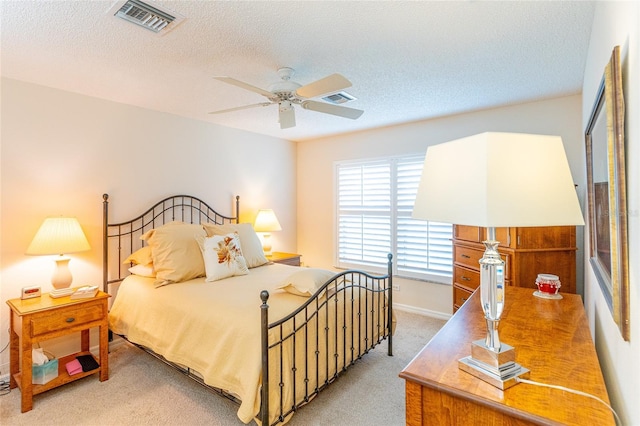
x=496, y=368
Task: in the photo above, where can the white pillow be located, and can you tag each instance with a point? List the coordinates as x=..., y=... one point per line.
x=306, y=281
x=222, y=256
x=143, y=271
x=251, y=245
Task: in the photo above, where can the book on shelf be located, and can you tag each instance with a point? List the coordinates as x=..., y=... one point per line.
x=88, y=362
x=85, y=292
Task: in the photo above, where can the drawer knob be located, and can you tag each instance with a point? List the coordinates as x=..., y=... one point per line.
x=466, y=279
x=70, y=319
x=464, y=299
x=466, y=256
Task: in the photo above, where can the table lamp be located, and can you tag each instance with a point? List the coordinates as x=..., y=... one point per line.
x=59, y=235
x=495, y=180
x=266, y=222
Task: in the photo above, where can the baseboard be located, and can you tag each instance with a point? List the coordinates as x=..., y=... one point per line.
x=420, y=311
x=116, y=342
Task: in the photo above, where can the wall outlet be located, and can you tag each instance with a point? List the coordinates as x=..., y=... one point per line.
x=396, y=287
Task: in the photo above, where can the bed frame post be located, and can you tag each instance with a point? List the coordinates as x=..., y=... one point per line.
x=264, y=315
x=105, y=244
x=390, y=310
x=237, y=209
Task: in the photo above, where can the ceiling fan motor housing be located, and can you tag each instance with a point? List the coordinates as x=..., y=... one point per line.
x=286, y=88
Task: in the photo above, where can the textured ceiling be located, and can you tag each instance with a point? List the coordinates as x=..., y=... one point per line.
x=407, y=60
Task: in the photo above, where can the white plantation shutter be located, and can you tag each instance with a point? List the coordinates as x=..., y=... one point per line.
x=364, y=218
x=374, y=203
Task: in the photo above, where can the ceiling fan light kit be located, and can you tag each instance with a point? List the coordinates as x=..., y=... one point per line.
x=286, y=93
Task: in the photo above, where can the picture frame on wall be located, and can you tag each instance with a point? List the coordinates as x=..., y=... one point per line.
x=606, y=191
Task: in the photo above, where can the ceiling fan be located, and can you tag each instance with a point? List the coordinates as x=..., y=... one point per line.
x=287, y=93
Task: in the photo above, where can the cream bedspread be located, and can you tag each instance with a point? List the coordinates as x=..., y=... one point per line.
x=214, y=329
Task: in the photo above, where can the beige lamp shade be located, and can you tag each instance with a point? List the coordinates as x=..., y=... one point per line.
x=59, y=235
x=498, y=180
x=266, y=221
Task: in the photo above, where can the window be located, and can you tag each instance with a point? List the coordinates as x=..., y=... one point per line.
x=374, y=203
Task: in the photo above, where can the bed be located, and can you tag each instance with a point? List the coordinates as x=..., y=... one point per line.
x=268, y=336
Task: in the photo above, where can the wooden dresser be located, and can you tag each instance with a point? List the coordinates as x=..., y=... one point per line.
x=551, y=338
x=527, y=252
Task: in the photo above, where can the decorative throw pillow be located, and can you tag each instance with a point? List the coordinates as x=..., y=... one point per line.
x=143, y=271
x=175, y=252
x=140, y=257
x=306, y=281
x=251, y=245
x=223, y=256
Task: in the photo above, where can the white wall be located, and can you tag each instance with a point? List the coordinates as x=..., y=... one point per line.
x=618, y=23
x=560, y=116
x=61, y=151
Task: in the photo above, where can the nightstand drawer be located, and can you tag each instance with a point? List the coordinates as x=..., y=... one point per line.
x=62, y=319
x=466, y=278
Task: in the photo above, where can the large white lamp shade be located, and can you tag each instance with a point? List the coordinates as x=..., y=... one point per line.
x=498, y=180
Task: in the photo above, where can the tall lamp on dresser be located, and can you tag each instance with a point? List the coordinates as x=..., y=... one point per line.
x=499, y=180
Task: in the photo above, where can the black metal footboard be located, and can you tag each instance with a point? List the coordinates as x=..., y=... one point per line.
x=347, y=317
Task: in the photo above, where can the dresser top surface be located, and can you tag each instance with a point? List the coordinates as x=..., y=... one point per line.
x=551, y=339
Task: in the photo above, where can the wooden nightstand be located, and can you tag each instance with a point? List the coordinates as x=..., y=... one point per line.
x=43, y=318
x=286, y=258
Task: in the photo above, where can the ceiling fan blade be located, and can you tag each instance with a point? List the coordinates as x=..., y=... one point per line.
x=287, y=115
x=241, y=107
x=245, y=86
x=340, y=111
x=330, y=84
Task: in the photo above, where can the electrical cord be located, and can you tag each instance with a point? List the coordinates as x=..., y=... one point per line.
x=8, y=340
x=577, y=392
x=4, y=386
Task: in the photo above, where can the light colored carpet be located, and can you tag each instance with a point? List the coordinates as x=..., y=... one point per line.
x=141, y=390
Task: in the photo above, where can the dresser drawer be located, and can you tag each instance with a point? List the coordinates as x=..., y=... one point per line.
x=460, y=296
x=467, y=257
x=467, y=233
x=478, y=235
x=466, y=278
x=62, y=319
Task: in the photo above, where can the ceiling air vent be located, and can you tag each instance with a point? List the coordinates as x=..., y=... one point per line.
x=339, y=98
x=154, y=18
